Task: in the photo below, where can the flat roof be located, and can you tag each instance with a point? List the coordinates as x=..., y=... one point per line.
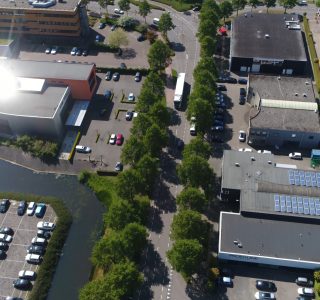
x=248, y=37
x=295, y=92
x=77, y=113
x=42, y=105
x=69, y=5
x=267, y=238
x=46, y=69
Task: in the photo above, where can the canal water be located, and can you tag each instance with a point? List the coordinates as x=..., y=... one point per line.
x=74, y=266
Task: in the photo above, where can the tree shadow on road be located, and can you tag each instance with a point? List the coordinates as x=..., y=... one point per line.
x=155, y=273
x=168, y=166
x=164, y=200
x=155, y=223
x=127, y=53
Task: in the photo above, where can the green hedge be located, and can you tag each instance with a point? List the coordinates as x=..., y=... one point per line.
x=51, y=258
x=152, y=6
x=100, y=46
x=129, y=71
x=177, y=5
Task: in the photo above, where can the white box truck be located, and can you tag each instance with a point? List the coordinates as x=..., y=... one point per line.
x=178, y=94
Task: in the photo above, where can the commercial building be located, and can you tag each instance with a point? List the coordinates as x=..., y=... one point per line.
x=267, y=43
x=284, y=112
x=38, y=98
x=279, y=217
x=43, y=18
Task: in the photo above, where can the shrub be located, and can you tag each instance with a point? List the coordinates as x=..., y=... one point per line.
x=142, y=28
x=127, y=22
x=100, y=46
x=83, y=176
x=316, y=60
x=318, y=3
x=316, y=275
x=151, y=36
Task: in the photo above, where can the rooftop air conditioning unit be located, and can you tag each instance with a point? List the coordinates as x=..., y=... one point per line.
x=237, y=164
x=307, y=82
x=304, y=95
x=267, y=36
x=252, y=158
x=296, y=94
x=279, y=78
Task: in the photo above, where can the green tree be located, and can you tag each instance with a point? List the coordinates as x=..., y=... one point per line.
x=205, y=78
x=185, y=256
x=148, y=168
x=132, y=150
x=208, y=46
x=103, y=4
x=198, y=147
x=134, y=236
x=317, y=3
x=140, y=125
x=269, y=3
x=141, y=206
x=144, y=9
x=146, y=99
x=226, y=10
x=155, y=139
x=253, y=3
x=192, y=198
x=158, y=55
x=187, y=224
x=238, y=5
x=127, y=22
x=202, y=110
x=129, y=183
x=316, y=276
x=165, y=24
x=124, y=5
x=203, y=92
x=108, y=250
x=206, y=65
x=119, y=214
x=95, y=289
x=195, y=171
x=159, y=114
x=207, y=27
x=288, y=4
x=118, y=38
x=155, y=84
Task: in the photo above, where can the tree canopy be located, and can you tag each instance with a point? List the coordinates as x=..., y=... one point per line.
x=269, y=3
x=155, y=139
x=132, y=150
x=144, y=9
x=165, y=24
x=148, y=168
x=226, y=9
x=154, y=83
x=287, y=4
x=238, y=5
x=192, y=198
x=208, y=46
x=118, y=38
x=158, y=55
x=197, y=146
x=129, y=183
x=124, y=5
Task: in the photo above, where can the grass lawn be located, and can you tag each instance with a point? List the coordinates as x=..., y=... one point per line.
x=177, y=5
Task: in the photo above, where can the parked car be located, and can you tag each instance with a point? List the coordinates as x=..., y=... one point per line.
x=13, y=298
x=99, y=38
x=31, y=208
x=242, y=100
x=46, y=226
x=36, y=241
x=108, y=76
x=141, y=38
x=137, y=77
x=222, y=87
x=48, y=50
x=225, y=281
x=303, y=281
x=25, y=274
x=217, y=139
x=295, y=155
x=112, y=139
x=193, y=130
x=34, y=249
x=33, y=258
x=84, y=52
x=264, y=151
x=22, y=208
x=123, y=66
x=5, y=238
x=43, y=234
x=119, y=140
x=218, y=123
x=242, y=81
x=303, y=298
x=107, y=94
x=3, y=254
x=180, y=145
x=74, y=51
x=102, y=25
x=131, y=97
x=113, y=27
x=119, y=52
x=6, y=230
x=242, y=136
x=79, y=52
x=129, y=115
x=243, y=92
x=217, y=128
x=231, y=80
x=264, y=295
x=118, y=167
x=54, y=50
x=245, y=150
x=22, y=284
x=116, y=76
x=4, y=246
x=264, y=285
x=83, y=149
x=306, y=291
x=40, y=210
x=4, y=205
x=118, y=11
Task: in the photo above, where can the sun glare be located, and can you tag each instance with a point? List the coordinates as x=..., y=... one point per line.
x=8, y=84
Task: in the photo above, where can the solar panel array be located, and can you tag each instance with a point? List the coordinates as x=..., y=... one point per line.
x=304, y=178
x=297, y=205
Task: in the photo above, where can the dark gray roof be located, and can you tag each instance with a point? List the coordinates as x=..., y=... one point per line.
x=68, y=5
x=263, y=237
x=42, y=105
x=46, y=70
x=248, y=38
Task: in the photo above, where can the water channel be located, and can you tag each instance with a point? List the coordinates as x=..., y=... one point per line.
x=74, y=266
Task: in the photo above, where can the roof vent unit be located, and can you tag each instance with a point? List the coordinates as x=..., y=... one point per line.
x=240, y=245
x=267, y=36
x=279, y=78
x=307, y=82
x=296, y=94
x=237, y=164
x=304, y=95
x=236, y=242
x=252, y=158
x=245, y=15
x=269, y=162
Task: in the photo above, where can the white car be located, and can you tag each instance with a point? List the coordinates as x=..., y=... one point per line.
x=264, y=151
x=74, y=51
x=33, y=258
x=46, y=225
x=264, y=295
x=306, y=292
x=5, y=238
x=245, y=150
x=83, y=149
x=131, y=97
x=39, y=241
x=295, y=155
x=54, y=50
x=242, y=136
x=30, y=275
x=112, y=139
x=31, y=208
x=118, y=11
x=48, y=50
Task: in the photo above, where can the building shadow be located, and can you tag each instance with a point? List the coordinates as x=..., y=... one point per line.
x=127, y=53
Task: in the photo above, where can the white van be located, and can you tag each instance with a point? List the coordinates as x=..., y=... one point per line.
x=155, y=21
x=33, y=258
x=39, y=241
x=193, y=129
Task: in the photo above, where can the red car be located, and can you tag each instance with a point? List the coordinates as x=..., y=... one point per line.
x=119, y=140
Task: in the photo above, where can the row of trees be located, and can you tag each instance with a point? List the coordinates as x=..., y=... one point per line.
x=189, y=230
x=119, y=250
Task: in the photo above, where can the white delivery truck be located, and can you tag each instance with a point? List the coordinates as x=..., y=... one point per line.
x=178, y=94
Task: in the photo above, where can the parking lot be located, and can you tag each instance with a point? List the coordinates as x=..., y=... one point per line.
x=101, y=120
x=25, y=228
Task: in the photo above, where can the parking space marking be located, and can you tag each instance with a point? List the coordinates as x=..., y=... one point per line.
x=24, y=245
